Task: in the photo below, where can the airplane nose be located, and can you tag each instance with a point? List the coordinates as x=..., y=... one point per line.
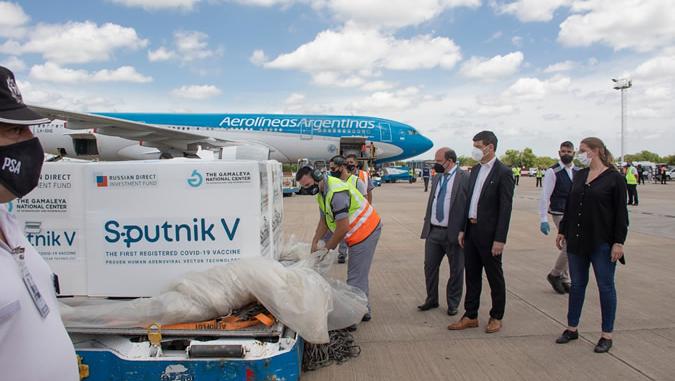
x=426, y=144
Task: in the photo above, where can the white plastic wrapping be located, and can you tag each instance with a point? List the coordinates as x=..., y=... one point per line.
x=297, y=295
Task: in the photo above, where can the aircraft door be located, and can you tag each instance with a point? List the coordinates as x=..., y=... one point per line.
x=306, y=130
x=385, y=132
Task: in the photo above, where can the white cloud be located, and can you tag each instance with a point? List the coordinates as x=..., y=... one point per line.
x=294, y=99
x=422, y=52
x=560, y=66
x=80, y=42
x=149, y=5
x=532, y=10
x=658, y=93
x=534, y=89
x=15, y=64
x=193, y=45
x=383, y=13
x=37, y=95
x=495, y=110
x=196, y=92
x=347, y=56
x=495, y=67
x=190, y=46
x=643, y=113
x=266, y=3
x=378, y=86
x=658, y=68
x=51, y=72
x=160, y=54
x=12, y=19
x=121, y=74
x=258, y=57
x=391, y=13
x=392, y=100
x=620, y=24
x=495, y=36
x=517, y=41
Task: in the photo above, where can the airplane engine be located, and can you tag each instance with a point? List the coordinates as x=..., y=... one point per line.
x=112, y=148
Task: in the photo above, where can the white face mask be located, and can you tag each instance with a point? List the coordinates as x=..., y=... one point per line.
x=477, y=154
x=584, y=159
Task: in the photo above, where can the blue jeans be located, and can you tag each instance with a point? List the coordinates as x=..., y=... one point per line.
x=604, y=269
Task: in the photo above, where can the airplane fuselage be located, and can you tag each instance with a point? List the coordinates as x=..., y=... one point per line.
x=288, y=137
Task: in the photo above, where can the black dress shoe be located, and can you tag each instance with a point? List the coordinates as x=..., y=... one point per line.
x=452, y=311
x=567, y=336
x=603, y=345
x=427, y=306
x=557, y=283
x=367, y=317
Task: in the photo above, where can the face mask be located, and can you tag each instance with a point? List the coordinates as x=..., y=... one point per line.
x=566, y=159
x=20, y=166
x=351, y=167
x=477, y=154
x=313, y=190
x=337, y=173
x=439, y=168
x=583, y=159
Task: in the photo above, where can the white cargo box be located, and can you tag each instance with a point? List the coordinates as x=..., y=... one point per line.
x=142, y=224
x=52, y=216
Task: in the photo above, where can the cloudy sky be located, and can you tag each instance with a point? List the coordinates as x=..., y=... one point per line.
x=535, y=71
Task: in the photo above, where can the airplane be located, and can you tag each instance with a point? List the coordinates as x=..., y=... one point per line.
x=285, y=138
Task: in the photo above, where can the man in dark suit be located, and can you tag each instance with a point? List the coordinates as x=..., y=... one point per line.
x=445, y=217
x=483, y=236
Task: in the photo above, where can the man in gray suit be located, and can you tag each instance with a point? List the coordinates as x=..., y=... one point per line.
x=446, y=211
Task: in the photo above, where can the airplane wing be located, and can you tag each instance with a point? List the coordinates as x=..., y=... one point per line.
x=161, y=137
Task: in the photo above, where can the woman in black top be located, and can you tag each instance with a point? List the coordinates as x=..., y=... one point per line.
x=594, y=227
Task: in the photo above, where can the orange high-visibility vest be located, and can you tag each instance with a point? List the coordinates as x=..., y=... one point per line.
x=363, y=219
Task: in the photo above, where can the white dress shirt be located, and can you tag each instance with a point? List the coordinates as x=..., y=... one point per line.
x=480, y=181
x=32, y=347
x=548, y=185
x=446, y=201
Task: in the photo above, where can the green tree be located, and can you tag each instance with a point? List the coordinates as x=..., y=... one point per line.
x=528, y=158
x=512, y=157
x=645, y=156
x=669, y=159
x=466, y=161
x=545, y=161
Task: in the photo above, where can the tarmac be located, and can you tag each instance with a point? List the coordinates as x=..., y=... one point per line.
x=402, y=343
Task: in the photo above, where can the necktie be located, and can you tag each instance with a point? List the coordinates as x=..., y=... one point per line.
x=440, y=199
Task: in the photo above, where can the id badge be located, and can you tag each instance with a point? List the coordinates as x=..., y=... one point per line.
x=30, y=284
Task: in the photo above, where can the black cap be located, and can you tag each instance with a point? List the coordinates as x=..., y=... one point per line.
x=12, y=108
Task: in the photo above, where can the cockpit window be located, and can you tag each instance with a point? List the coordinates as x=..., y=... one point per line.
x=412, y=132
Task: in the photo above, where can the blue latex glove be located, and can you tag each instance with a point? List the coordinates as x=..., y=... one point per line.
x=544, y=228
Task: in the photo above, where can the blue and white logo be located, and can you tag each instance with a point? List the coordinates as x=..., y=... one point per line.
x=196, y=179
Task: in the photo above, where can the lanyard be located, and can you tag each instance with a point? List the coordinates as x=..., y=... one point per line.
x=446, y=179
x=33, y=290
